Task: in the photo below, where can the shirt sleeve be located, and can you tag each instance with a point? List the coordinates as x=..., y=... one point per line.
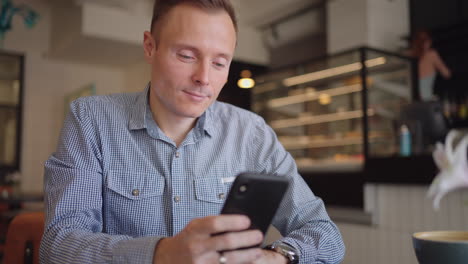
x=301, y=218
x=73, y=202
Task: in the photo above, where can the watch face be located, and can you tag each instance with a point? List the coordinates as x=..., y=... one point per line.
x=286, y=248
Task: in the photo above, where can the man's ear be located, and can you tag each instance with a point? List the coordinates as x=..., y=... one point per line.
x=149, y=46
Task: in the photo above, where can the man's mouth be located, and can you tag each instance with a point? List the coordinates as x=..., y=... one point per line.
x=195, y=95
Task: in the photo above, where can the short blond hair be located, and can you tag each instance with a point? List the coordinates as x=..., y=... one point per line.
x=162, y=7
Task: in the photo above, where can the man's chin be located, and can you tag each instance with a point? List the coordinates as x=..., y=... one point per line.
x=189, y=110
x=193, y=114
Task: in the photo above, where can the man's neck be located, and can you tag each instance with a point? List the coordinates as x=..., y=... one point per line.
x=174, y=127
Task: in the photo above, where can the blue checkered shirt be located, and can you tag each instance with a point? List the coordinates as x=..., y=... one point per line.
x=116, y=184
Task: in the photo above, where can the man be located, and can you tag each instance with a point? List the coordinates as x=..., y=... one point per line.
x=141, y=178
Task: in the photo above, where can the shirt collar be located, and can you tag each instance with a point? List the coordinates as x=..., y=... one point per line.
x=205, y=121
x=139, y=118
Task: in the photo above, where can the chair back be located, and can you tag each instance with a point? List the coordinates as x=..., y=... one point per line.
x=23, y=238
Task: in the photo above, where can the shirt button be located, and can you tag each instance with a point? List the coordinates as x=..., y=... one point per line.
x=176, y=199
x=177, y=154
x=135, y=192
x=221, y=196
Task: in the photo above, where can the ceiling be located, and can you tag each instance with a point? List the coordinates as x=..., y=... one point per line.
x=259, y=13
x=251, y=14
x=256, y=13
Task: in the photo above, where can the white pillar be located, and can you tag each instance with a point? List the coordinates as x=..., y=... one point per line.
x=388, y=23
x=376, y=23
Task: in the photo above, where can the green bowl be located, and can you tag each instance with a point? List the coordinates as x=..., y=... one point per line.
x=441, y=247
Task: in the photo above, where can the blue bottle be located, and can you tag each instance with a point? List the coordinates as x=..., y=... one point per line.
x=405, y=141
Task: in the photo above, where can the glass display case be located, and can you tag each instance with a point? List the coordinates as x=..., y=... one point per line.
x=11, y=76
x=332, y=113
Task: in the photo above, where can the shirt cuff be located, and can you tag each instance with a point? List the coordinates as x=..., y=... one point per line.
x=306, y=252
x=138, y=250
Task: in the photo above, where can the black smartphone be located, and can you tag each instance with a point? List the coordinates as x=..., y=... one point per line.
x=257, y=196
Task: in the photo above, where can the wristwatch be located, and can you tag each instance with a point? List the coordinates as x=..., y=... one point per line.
x=286, y=250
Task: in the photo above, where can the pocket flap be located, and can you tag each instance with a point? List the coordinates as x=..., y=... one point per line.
x=212, y=189
x=136, y=185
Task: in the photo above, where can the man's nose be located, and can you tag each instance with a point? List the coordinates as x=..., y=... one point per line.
x=201, y=74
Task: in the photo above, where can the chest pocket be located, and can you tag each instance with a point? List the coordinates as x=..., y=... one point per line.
x=212, y=190
x=135, y=186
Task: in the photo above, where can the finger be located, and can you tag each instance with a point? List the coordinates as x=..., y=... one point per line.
x=235, y=240
x=243, y=256
x=218, y=224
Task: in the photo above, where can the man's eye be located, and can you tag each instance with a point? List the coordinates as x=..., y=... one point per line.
x=220, y=65
x=185, y=57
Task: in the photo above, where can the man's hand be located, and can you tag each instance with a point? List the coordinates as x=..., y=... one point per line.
x=271, y=257
x=195, y=244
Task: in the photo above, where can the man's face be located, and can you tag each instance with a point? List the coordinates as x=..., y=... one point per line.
x=190, y=60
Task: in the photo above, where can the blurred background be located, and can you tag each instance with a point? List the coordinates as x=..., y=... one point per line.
x=346, y=84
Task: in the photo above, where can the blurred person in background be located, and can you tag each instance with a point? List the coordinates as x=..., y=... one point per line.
x=429, y=64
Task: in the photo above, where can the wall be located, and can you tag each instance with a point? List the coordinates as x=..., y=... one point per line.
x=298, y=39
x=399, y=211
x=137, y=76
x=250, y=47
x=47, y=82
x=308, y=48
